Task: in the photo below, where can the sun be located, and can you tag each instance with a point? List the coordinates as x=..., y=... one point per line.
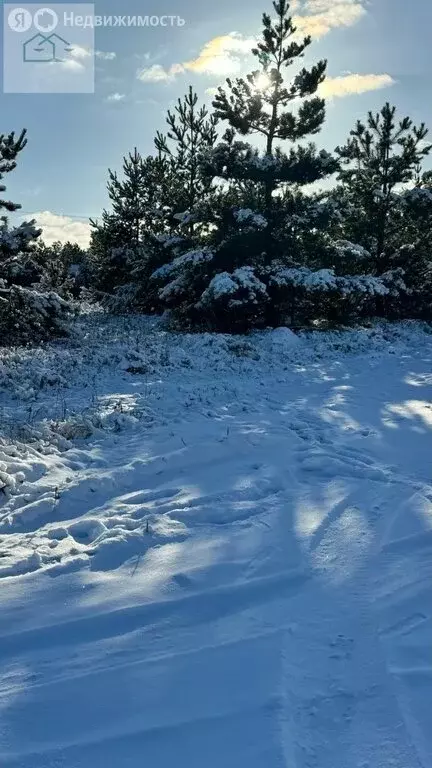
x=262, y=82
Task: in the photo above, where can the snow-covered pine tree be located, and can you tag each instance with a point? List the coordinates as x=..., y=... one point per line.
x=380, y=155
x=123, y=242
x=191, y=132
x=17, y=243
x=26, y=315
x=260, y=104
x=65, y=268
x=412, y=253
x=118, y=236
x=127, y=196
x=152, y=209
x=376, y=211
x=227, y=284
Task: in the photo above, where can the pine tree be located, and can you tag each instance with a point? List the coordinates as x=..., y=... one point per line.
x=226, y=282
x=191, y=132
x=122, y=241
x=64, y=268
x=26, y=315
x=126, y=196
x=259, y=104
x=16, y=243
x=412, y=253
x=380, y=155
x=10, y=147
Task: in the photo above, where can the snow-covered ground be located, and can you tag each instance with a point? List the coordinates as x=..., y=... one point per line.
x=216, y=551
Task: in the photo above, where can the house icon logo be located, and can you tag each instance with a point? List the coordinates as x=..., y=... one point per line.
x=46, y=49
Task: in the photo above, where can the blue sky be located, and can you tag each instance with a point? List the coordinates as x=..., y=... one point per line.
x=377, y=50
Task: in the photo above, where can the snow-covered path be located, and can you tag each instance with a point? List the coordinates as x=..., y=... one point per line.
x=245, y=580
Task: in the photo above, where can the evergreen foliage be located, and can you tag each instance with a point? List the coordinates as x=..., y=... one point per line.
x=380, y=155
x=226, y=225
x=26, y=315
x=233, y=288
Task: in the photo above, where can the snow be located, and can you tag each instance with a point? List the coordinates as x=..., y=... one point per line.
x=185, y=217
x=418, y=194
x=322, y=279
x=284, y=339
x=189, y=259
x=169, y=241
x=12, y=240
x=346, y=249
x=226, y=284
x=175, y=288
x=233, y=567
x=246, y=215
x=368, y=284
x=325, y=280
x=221, y=285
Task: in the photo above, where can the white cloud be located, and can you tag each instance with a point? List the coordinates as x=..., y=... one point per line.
x=106, y=55
x=347, y=85
x=62, y=228
x=318, y=17
x=70, y=64
x=225, y=55
x=81, y=57
x=116, y=97
x=220, y=56
x=157, y=74
x=78, y=60
x=78, y=52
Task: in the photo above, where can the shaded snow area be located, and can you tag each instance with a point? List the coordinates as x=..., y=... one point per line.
x=216, y=551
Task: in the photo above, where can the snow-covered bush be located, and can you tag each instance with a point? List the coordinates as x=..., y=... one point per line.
x=411, y=281
x=304, y=294
x=351, y=258
x=65, y=268
x=182, y=281
x=236, y=301
x=27, y=316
